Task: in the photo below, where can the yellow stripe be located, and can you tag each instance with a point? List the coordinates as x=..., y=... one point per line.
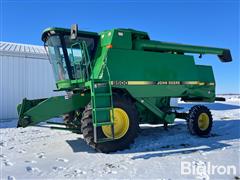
x=136, y=83
x=140, y=82
x=190, y=82
x=198, y=83
x=211, y=84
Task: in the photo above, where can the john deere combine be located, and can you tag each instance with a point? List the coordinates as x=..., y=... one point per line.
x=119, y=78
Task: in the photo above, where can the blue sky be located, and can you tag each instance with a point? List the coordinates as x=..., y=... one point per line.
x=212, y=23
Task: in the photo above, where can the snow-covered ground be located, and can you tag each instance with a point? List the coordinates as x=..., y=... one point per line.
x=43, y=153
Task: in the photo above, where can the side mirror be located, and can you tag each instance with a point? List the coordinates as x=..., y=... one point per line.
x=74, y=31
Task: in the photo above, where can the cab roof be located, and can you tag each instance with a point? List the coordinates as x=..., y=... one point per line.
x=56, y=30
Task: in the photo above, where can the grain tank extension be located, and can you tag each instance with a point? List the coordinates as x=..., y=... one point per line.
x=118, y=79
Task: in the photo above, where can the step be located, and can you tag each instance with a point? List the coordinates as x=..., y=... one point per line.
x=102, y=140
x=103, y=124
x=100, y=85
x=102, y=109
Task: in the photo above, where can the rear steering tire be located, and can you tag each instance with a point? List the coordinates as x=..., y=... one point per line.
x=125, y=106
x=199, y=120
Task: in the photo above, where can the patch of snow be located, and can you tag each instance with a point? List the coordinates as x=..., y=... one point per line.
x=33, y=169
x=40, y=155
x=6, y=162
x=11, y=178
x=62, y=160
x=60, y=168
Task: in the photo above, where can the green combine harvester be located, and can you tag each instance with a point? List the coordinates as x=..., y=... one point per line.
x=118, y=79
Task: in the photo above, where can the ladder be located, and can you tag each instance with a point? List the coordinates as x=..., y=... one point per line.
x=101, y=98
x=102, y=108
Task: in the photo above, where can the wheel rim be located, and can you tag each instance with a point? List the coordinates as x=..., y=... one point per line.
x=203, y=121
x=121, y=124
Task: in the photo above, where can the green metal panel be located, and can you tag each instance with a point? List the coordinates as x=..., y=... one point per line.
x=208, y=92
x=165, y=74
x=167, y=117
x=205, y=73
x=122, y=40
x=132, y=65
x=119, y=39
x=53, y=107
x=99, y=64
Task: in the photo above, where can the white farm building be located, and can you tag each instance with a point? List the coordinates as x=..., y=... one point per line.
x=24, y=72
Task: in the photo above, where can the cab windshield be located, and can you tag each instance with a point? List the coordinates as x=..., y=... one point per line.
x=67, y=56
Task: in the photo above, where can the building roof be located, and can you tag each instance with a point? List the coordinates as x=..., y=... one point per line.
x=22, y=50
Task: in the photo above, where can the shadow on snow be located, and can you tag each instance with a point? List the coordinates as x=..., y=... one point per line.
x=155, y=141
x=179, y=141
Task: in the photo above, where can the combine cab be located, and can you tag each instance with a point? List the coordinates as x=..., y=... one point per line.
x=118, y=79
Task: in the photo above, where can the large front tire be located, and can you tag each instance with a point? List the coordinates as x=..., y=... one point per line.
x=129, y=118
